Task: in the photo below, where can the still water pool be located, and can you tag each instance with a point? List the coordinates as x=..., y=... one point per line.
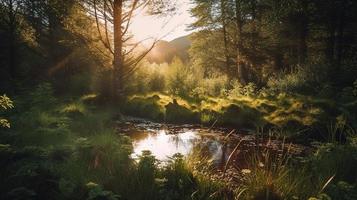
x=164, y=140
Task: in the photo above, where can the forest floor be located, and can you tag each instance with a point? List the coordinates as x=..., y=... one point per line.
x=69, y=148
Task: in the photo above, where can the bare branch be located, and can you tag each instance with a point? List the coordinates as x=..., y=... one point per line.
x=130, y=14
x=135, y=63
x=106, y=29
x=106, y=44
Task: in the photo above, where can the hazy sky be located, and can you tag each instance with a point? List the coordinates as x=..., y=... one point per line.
x=167, y=28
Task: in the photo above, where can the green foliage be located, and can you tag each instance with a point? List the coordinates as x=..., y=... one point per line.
x=149, y=78
x=157, y=82
x=299, y=80
x=42, y=96
x=177, y=113
x=36, y=120
x=241, y=116
x=333, y=159
x=91, y=123
x=179, y=183
x=146, y=176
x=5, y=103
x=342, y=190
x=96, y=192
x=145, y=107
x=21, y=193
x=355, y=88
x=105, y=154
x=181, y=80
x=239, y=90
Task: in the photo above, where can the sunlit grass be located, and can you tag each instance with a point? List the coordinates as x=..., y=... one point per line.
x=283, y=110
x=75, y=107
x=88, y=97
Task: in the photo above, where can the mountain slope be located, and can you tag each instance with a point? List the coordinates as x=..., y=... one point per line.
x=165, y=51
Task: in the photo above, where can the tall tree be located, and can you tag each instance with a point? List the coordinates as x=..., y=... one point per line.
x=224, y=22
x=214, y=20
x=239, y=24
x=43, y=40
x=10, y=22
x=116, y=15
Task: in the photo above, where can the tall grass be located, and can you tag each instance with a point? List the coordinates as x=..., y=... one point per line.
x=269, y=175
x=278, y=174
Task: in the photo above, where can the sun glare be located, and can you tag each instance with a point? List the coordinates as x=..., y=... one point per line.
x=148, y=28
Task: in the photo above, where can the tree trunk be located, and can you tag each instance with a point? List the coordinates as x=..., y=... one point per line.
x=12, y=41
x=239, y=24
x=254, y=27
x=302, y=46
x=340, y=36
x=118, y=68
x=336, y=35
x=224, y=30
x=12, y=52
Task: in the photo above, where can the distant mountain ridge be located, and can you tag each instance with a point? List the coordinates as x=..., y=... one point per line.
x=165, y=51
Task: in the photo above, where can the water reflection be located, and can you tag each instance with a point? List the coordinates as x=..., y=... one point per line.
x=162, y=145
x=165, y=141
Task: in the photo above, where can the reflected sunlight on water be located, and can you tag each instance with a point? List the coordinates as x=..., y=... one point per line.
x=161, y=144
x=163, y=141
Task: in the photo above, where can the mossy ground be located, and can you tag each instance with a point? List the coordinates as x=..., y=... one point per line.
x=284, y=111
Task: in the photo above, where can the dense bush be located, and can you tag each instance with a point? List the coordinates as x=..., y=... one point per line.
x=301, y=79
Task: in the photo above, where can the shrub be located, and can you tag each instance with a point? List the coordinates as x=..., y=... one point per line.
x=241, y=116
x=307, y=79
x=91, y=123
x=103, y=158
x=97, y=192
x=198, y=94
x=215, y=84
x=342, y=190
x=338, y=160
x=42, y=96
x=179, y=113
x=157, y=82
x=179, y=181
x=239, y=90
x=180, y=79
x=146, y=173
x=147, y=107
x=149, y=78
x=40, y=127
